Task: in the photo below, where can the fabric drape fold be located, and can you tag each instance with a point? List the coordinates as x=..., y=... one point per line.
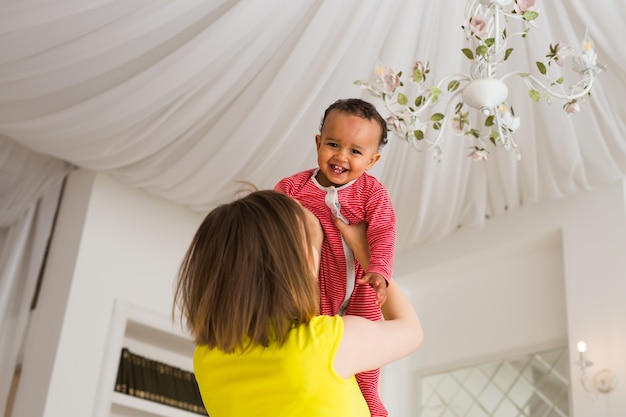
x=23, y=246
x=184, y=99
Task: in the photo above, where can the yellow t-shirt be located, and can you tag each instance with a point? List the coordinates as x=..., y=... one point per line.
x=297, y=379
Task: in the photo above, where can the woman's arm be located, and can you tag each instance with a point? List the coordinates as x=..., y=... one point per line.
x=371, y=344
x=316, y=237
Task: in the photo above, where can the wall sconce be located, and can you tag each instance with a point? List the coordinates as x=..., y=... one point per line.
x=603, y=381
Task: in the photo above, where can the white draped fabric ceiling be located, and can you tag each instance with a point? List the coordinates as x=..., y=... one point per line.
x=185, y=98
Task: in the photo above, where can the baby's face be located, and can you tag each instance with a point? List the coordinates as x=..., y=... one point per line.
x=346, y=148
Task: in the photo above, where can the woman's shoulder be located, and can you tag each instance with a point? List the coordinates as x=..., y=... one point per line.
x=330, y=325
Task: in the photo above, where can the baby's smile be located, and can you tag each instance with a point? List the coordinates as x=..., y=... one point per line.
x=337, y=169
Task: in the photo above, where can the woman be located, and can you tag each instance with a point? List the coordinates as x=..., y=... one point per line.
x=247, y=290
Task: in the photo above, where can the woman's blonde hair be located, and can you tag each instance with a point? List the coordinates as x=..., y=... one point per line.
x=246, y=279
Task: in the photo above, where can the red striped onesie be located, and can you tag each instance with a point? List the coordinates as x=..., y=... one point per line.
x=364, y=199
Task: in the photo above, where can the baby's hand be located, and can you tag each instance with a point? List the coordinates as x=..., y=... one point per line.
x=378, y=283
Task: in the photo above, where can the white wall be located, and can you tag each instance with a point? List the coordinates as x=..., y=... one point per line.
x=533, y=278
x=110, y=242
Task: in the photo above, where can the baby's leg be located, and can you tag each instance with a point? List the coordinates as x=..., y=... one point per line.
x=368, y=382
x=363, y=303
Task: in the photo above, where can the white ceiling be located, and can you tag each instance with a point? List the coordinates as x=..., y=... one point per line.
x=185, y=98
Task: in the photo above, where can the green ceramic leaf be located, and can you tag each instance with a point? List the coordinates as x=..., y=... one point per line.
x=434, y=91
x=473, y=132
x=530, y=15
x=534, y=95
x=541, y=67
x=418, y=76
x=453, y=85
x=494, y=137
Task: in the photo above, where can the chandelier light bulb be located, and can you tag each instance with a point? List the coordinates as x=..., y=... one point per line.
x=582, y=348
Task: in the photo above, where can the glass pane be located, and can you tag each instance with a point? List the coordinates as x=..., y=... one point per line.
x=535, y=385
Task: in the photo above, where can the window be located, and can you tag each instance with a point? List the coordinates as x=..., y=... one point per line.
x=535, y=385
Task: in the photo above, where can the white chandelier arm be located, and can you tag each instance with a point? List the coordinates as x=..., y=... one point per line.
x=482, y=89
x=505, y=137
x=426, y=144
x=498, y=45
x=392, y=106
x=429, y=102
x=493, y=13
x=534, y=83
x=444, y=121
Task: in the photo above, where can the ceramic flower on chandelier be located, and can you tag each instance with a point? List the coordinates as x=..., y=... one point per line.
x=446, y=105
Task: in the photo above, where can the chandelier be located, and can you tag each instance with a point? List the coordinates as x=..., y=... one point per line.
x=446, y=104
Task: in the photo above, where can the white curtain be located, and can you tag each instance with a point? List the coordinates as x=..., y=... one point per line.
x=185, y=98
x=30, y=186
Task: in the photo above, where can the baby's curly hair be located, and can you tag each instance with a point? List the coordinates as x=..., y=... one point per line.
x=360, y=108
